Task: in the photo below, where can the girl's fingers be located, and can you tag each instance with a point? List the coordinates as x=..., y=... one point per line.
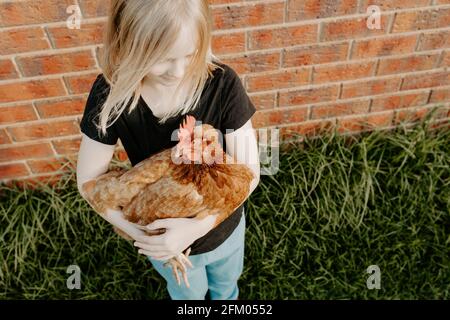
x=177, y=277
x=163, y=258
x=148, y=247
x=146, y=253
x=138, y=226
x=153, y=240
x=185, y=261
x=153, y=253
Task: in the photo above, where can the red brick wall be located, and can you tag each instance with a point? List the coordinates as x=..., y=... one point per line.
x=305, y=64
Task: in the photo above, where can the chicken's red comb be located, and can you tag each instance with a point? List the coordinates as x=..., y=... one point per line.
x=189, y=123
x=186, y=128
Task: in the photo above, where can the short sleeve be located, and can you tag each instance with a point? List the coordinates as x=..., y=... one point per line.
x=237, y=108
x=97, y=96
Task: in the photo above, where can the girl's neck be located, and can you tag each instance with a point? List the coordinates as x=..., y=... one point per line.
x=157, y=86
x=161, y=97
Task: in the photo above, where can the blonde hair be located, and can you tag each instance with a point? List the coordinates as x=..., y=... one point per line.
x=139, y=33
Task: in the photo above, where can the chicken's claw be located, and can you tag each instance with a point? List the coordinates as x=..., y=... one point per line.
x=178, y=263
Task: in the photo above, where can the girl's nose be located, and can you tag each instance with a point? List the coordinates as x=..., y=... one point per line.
x=177, y=69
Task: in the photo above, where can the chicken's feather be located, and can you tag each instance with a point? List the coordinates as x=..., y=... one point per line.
x=166, y=198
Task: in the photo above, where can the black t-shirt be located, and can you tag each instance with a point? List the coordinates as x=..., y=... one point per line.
x=224, y=104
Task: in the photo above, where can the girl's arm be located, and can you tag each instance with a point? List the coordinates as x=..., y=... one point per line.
x=93, y=160
x=242, y=145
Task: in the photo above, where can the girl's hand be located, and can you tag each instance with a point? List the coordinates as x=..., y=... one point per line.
x=116, y=218
x=179, y=234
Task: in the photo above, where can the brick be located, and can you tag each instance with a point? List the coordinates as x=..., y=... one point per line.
x=94, y=8
x=60, y=107
x=370, y=87
x=38, y=150
x=440, y=95
x=312, y=95
x=263, y=101
x=283, y=37
x=412, y=115
x=436, y=40
x=216, y=2
x=379, y=120
x=13, y=170
x=50, y=165
x=307, y=128
x=392, y=4
x=279, y=79
x=339, y=109
x=4, y=139
x=383, y=47
x=407, y=64
x=353, y=28
x=33, y=11
x=435, y=79
x=279, y=116
x=36, y=182
x=421, y=20
x=299, y=10
x=445, y=60
x=350, y=124
x=88, y=34
x=44, y=130
x=7, y=70
x=228, y=43
x=399, y=101
x=242, y=16
x=315, y=55
x=17, y=114
x=56, y=63
x=44, y=166
x=23, y=40
x=254, y=62
x=67, y=146
x=81, y=83
x=34, y=89
x=341, y=72
x=99, y=51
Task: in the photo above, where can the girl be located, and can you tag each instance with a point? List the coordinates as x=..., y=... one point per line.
x=158, y=67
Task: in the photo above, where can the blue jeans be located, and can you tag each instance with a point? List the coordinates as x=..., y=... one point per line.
x=217, y=271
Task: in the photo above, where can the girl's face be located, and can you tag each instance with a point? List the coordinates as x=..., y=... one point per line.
x=171, y=69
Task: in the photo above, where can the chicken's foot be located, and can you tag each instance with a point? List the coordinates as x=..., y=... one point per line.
x=178, y=263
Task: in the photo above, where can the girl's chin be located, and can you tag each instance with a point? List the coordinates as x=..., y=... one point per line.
x=158, y=81
x=169, y=84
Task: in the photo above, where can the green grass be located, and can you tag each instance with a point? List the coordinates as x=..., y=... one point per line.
x=337, y=205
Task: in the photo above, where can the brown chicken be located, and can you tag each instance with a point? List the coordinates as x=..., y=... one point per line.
x=193, y=179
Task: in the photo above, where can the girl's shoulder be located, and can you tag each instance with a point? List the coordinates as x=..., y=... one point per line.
x=100, y=87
